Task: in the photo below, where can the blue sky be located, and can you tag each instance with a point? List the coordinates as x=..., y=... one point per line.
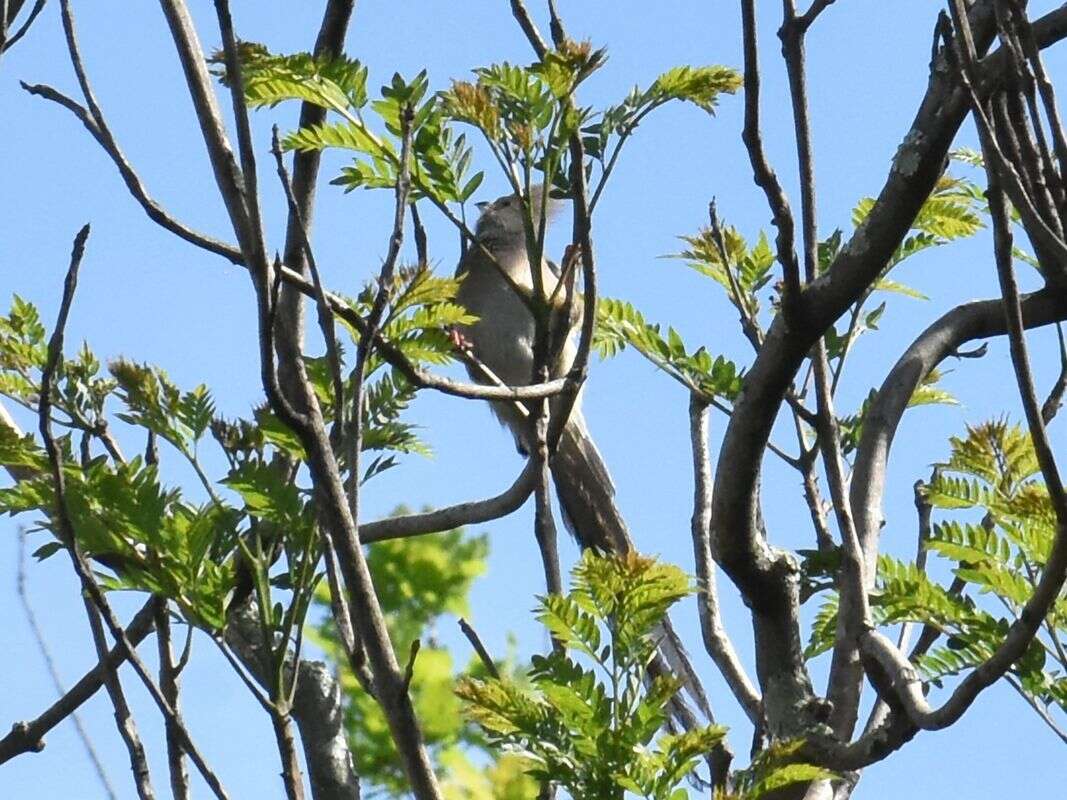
x=148, y=296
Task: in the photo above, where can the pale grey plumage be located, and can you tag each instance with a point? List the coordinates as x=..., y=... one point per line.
x=503, y=339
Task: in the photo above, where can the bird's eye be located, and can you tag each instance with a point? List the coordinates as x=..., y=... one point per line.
x=505, y=203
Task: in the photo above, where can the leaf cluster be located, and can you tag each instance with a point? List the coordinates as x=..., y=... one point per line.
x=421, y=581
x=620, y=324
x=592, y=728
x=997, y=542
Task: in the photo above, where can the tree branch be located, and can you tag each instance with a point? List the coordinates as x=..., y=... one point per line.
x=389, y=686
x=42, y=645
x=94, y=595
x=763, y=173
x=716, y=640
x=28, y=737
x=168, y=684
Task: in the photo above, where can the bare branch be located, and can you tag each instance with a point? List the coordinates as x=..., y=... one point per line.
x=28, y=737
x=94, y=595
x=846, y=673
x=479, y=648
x=808, y=18
x=7, y=42
x=522, y=16
x=445, y=519
x=50, y=664
x=168, y=684
x=716, y=640
x=763, y=173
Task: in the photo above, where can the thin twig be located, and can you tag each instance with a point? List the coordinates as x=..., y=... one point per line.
x=50, y=664
x=1054, y=400
x=124, y=721
x=10, y=41
x=342, y=616
x=168, y=684
x=763, y=173
x=374, y=316
x=325, y=315
x=89, y=585
x=479, y=648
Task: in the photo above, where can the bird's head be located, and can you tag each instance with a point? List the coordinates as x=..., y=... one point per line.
x=501, y=220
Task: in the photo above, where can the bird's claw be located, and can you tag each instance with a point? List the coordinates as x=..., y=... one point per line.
x=459, y=341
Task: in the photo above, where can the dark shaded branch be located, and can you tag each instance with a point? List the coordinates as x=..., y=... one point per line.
x=479, y=648
x=7, y=42
x=817, y=7
x=522, y=16
x=763, y=173
x=1054, y=400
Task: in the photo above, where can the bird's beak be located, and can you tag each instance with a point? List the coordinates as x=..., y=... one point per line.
x=483, y=206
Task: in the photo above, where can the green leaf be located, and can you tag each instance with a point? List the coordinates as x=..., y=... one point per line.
x=47, y=550
x=266, y=493
x=698, y=85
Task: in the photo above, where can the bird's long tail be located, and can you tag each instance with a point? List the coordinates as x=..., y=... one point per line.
x=586, y=492
x=587, y=498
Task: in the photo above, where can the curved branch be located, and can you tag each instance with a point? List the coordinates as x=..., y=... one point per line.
x=444, y=519
x=916, y=168
x=716, y=640
x=975, y=320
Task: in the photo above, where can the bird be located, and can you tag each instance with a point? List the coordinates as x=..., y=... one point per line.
x=502, y=339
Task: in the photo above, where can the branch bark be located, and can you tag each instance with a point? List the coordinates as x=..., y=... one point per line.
x=390, y=690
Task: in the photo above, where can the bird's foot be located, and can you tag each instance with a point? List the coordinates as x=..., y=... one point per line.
x=459, y=341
